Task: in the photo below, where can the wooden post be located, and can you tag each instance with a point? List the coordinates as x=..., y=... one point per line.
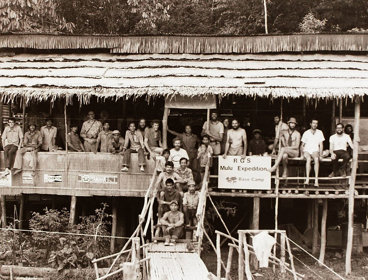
x=164, y=127
x=310, y=214
x=23, y=114
x=21, y=211
x=135, y=249
x=229, y=262
x=73, y=204
x=323, y=232
x=333, y=116
x=114, y=225
x=218, y=256
x=208, y=119
x=1, y=116
x=315, y=227
x=248, y=273
x=265, y=16
x=241, y=268
x=256, y=207
x=349, y=246
x=282, y=253
x=340, y=110
x=3, y=211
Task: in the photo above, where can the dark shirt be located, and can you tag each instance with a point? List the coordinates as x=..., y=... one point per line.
x=174, y=195
x=32, y=139
x=153, y=137
x=257, y=147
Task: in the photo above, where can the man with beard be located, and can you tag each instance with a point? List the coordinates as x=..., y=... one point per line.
x=290, y=142
x=142, y=126
x=312, y=147
x=338, y=149
x=152, y=140
x=236, y=143
x=280, y=126
x=89, y=132
x=215, y=130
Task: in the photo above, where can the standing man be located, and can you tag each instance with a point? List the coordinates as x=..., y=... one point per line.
x=312, y=147
x=142, y=126
x=236, y=142
x=73, y=141
x=152, y=140
x=104, y=138
x=89, y=132
x=48, y=133
x=339, y=143
x=290, y=143
x=133, y=144
x=190, y=142
x=177, y=153
x=12, y=141
x=215, y=130
x=279, y=127
x=31, y=143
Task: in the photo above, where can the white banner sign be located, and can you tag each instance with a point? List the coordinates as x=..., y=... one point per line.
x=47, y=178
x=97, y=179
x=27, y=178
x=250, y=173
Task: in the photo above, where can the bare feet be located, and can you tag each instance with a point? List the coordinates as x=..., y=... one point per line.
x=284, y=174
x=316, y=183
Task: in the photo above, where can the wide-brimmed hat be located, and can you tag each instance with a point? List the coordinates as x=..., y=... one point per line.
x=257, y=131
x=174, y=202
x=116, y=132
x=292, y=120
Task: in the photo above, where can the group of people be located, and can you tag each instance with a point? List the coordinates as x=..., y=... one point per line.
x=310, y=147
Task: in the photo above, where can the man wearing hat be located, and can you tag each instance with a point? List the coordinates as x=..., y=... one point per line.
x=172, y=224
x=117, y=143
x=290, y=142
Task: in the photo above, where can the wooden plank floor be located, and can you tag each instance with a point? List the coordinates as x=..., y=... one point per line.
x=176, y=266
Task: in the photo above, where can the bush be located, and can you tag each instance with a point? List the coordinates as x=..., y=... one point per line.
x=311, y=24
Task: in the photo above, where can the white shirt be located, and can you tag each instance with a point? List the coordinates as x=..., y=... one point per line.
x=312, y=141
x=216, y=129
x=340, y=142
x=175, y=156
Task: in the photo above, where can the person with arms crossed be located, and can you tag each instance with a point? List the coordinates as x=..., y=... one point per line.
x=133, y=144
x=312, y=147
x=104, y=138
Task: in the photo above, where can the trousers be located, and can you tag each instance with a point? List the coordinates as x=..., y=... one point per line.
x=10, y=152
x=127, y=153
x=19, y=158
x=345, y=156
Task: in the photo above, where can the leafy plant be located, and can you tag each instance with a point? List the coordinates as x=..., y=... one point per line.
x=311, y=24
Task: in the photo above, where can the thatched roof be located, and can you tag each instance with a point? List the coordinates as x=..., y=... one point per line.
x=192, y=44
x=116, y=76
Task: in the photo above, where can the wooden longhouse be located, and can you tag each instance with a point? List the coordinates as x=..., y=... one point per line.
x=253, y=77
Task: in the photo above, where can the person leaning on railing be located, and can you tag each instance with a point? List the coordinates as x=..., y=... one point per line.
x=73, y=141
x=48, y=133
x=89, y=132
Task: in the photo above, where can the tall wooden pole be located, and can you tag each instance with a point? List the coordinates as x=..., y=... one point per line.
x=3, y=211
x=315, y=227
x=323, y=232
x=256, y=206
x=164, y=127
x=265, y=16
x=73, y=206
x=114, y=224
x=333, y=116
x=21, y=211
x=349, y=246
x=340, y=110
x=241, y=266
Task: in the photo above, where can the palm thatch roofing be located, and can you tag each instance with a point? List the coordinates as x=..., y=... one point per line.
x=266, y=66
x=124, y=76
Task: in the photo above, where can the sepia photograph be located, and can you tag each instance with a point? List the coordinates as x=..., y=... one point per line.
x=184, y=139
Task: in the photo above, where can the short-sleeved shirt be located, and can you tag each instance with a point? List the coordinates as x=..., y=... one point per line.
x=257, y=147
x=174, y=195
x=32, y=139
x=235, y=137
x=281, y=126
x=91, y=129
x=185, y=174
x=135, y=140
x=176, y=155
x=340, y=142
x=74, y=142
x=12, y=136
x=153, y=137
x=189, y=143
x=191, y=200
x=47, y=135
x=216, y=128
x=312, y=141
x=164, y=176
x=205, y=153
x=116, y=146
x=104, y=137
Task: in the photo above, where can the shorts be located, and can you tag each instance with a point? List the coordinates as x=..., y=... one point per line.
x=291, y=152
x=216, y=146
x=235, y=151
x=313, y=155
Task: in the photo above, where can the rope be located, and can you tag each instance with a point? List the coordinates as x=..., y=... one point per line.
x=64, y=233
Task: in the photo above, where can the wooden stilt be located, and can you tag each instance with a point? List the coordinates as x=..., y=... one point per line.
x=218, y=256
x=21, y=211
x=229, y=262
x=323, y=232
x=310, y=214
x=73, y=204
x=340, y=110
x=164, y=127
x=256, y=206
x=114, y=225
x=349, y=246
x=333, y=116
x=241, y=267
x=282, y=253
x=3, y=210
x=248, y=273
x=1, y=116
x=315, y=227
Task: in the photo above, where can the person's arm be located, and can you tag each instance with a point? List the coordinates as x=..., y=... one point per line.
x=227, y=145
x=83, y=132
x=283, y=140
x=164, y=220
x=69, y=143
x=3, y=136
x=53, y=140
x=181, y=220
x=297, y=142
x=173, y=132
x=244, y=137
x=350, y=143
x=204, y=129
x=20, y=135
x=39, y=141
x=127, y=139
x=98, y=141
x=121, y=147
x=332, y=148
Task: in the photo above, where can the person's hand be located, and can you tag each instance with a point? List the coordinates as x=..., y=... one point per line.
x=224, y=156
x=333, y=156
x=273, y=152
x=243, y=156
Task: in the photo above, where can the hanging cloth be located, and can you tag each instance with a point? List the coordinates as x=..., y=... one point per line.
x=262, y=244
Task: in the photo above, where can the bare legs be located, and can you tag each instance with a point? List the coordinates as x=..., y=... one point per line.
x=282, y=156
x=308, y=164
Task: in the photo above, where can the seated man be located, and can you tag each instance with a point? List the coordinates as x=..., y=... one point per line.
x=177, y=153
x=133, y=144
x=190, y=204
x=339, y=143
x=312, y=145
x=48, y=133
x=290, y=142
x=31, y=143
x=172, y=224
x=166, y=196
x=168, y=173
x=185, y=174
x=104, y=138
x=12, y=139
x=73, y=140
x=161, y=161
x=116, y=144
x=257, y=146
x=152, y=140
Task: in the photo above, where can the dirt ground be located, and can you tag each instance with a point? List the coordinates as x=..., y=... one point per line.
x=310, y=269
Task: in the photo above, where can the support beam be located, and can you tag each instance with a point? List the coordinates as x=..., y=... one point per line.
x=315, y=227
x=73, y=206
x=164, y=127
x=241, y=264
x=333, y=116
x=21, y=211
x=218, y=256
x=323, y=232
x=349, y=246
x=256, y=207
x=340, y=110
x=3, y=211
x=114, y=225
